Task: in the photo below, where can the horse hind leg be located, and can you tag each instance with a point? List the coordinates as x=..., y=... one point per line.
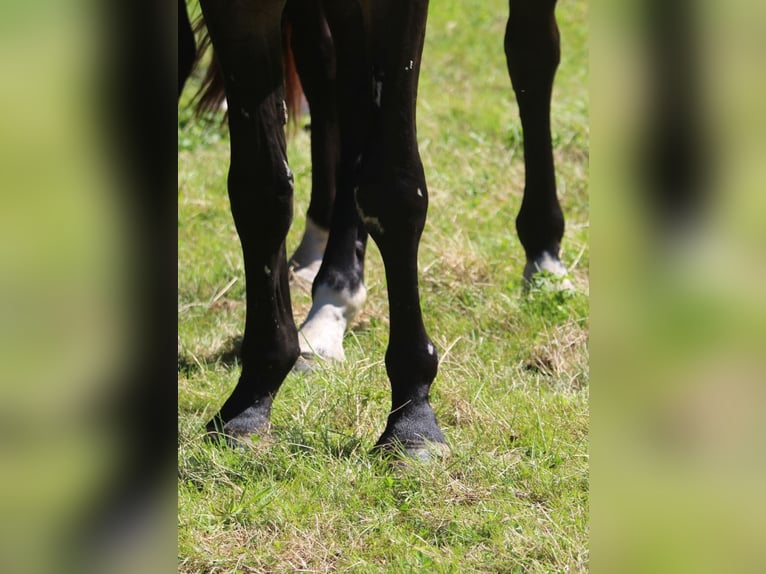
x=246, y=37
x=314, y=56
x=532, y=54
x=338, y=291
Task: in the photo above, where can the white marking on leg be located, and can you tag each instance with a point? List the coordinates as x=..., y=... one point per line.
x=409, y=66
x=307, y=259
x=430, y=349
x=267, y=271
x=322, y=332
x=420, y=192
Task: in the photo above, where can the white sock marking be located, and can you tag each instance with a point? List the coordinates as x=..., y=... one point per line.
x=307, y=259
x=322, y=332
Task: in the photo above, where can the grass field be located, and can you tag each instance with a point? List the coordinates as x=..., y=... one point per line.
x=512, y=389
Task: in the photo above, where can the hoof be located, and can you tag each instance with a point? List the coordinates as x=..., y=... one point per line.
x=550, y=268
x=317, y=346
x=404, y=454
x=412, y=433
x=247, y=428
x=239, y=442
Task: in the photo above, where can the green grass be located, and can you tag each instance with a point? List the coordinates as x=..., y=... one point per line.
x=512, y=389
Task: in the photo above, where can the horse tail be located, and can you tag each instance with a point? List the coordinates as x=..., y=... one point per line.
x=211, y=95
x=187, y=49
x=293, y=88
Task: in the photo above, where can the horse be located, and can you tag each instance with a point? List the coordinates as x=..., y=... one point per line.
x=359, y=63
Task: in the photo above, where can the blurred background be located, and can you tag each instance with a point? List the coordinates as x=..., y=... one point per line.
x=678, y=279
x=87, y=285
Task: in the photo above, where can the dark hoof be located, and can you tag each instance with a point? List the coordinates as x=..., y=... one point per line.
x=247, y=428
x=412, y=433
x=423, y=452
x=241, y=442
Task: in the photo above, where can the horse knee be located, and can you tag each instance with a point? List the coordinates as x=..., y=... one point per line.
x=261, y=196
x=392, y=210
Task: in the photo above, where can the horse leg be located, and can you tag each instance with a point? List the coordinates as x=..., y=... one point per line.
x=338, y=291
x=314, y=55
x=532, y=53
x=392, y=200
x=247, y=39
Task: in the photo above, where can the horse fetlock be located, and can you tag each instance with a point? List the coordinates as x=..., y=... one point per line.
x=411, y=369
x=267, y=356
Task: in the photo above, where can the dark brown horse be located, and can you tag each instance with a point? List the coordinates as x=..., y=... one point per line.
x=359, y=63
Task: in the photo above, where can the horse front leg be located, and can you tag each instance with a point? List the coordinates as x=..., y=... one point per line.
x=392, y=200
x=532, y=53
x=247, y=39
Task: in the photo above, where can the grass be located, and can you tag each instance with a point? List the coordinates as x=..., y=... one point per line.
x=512, y=389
